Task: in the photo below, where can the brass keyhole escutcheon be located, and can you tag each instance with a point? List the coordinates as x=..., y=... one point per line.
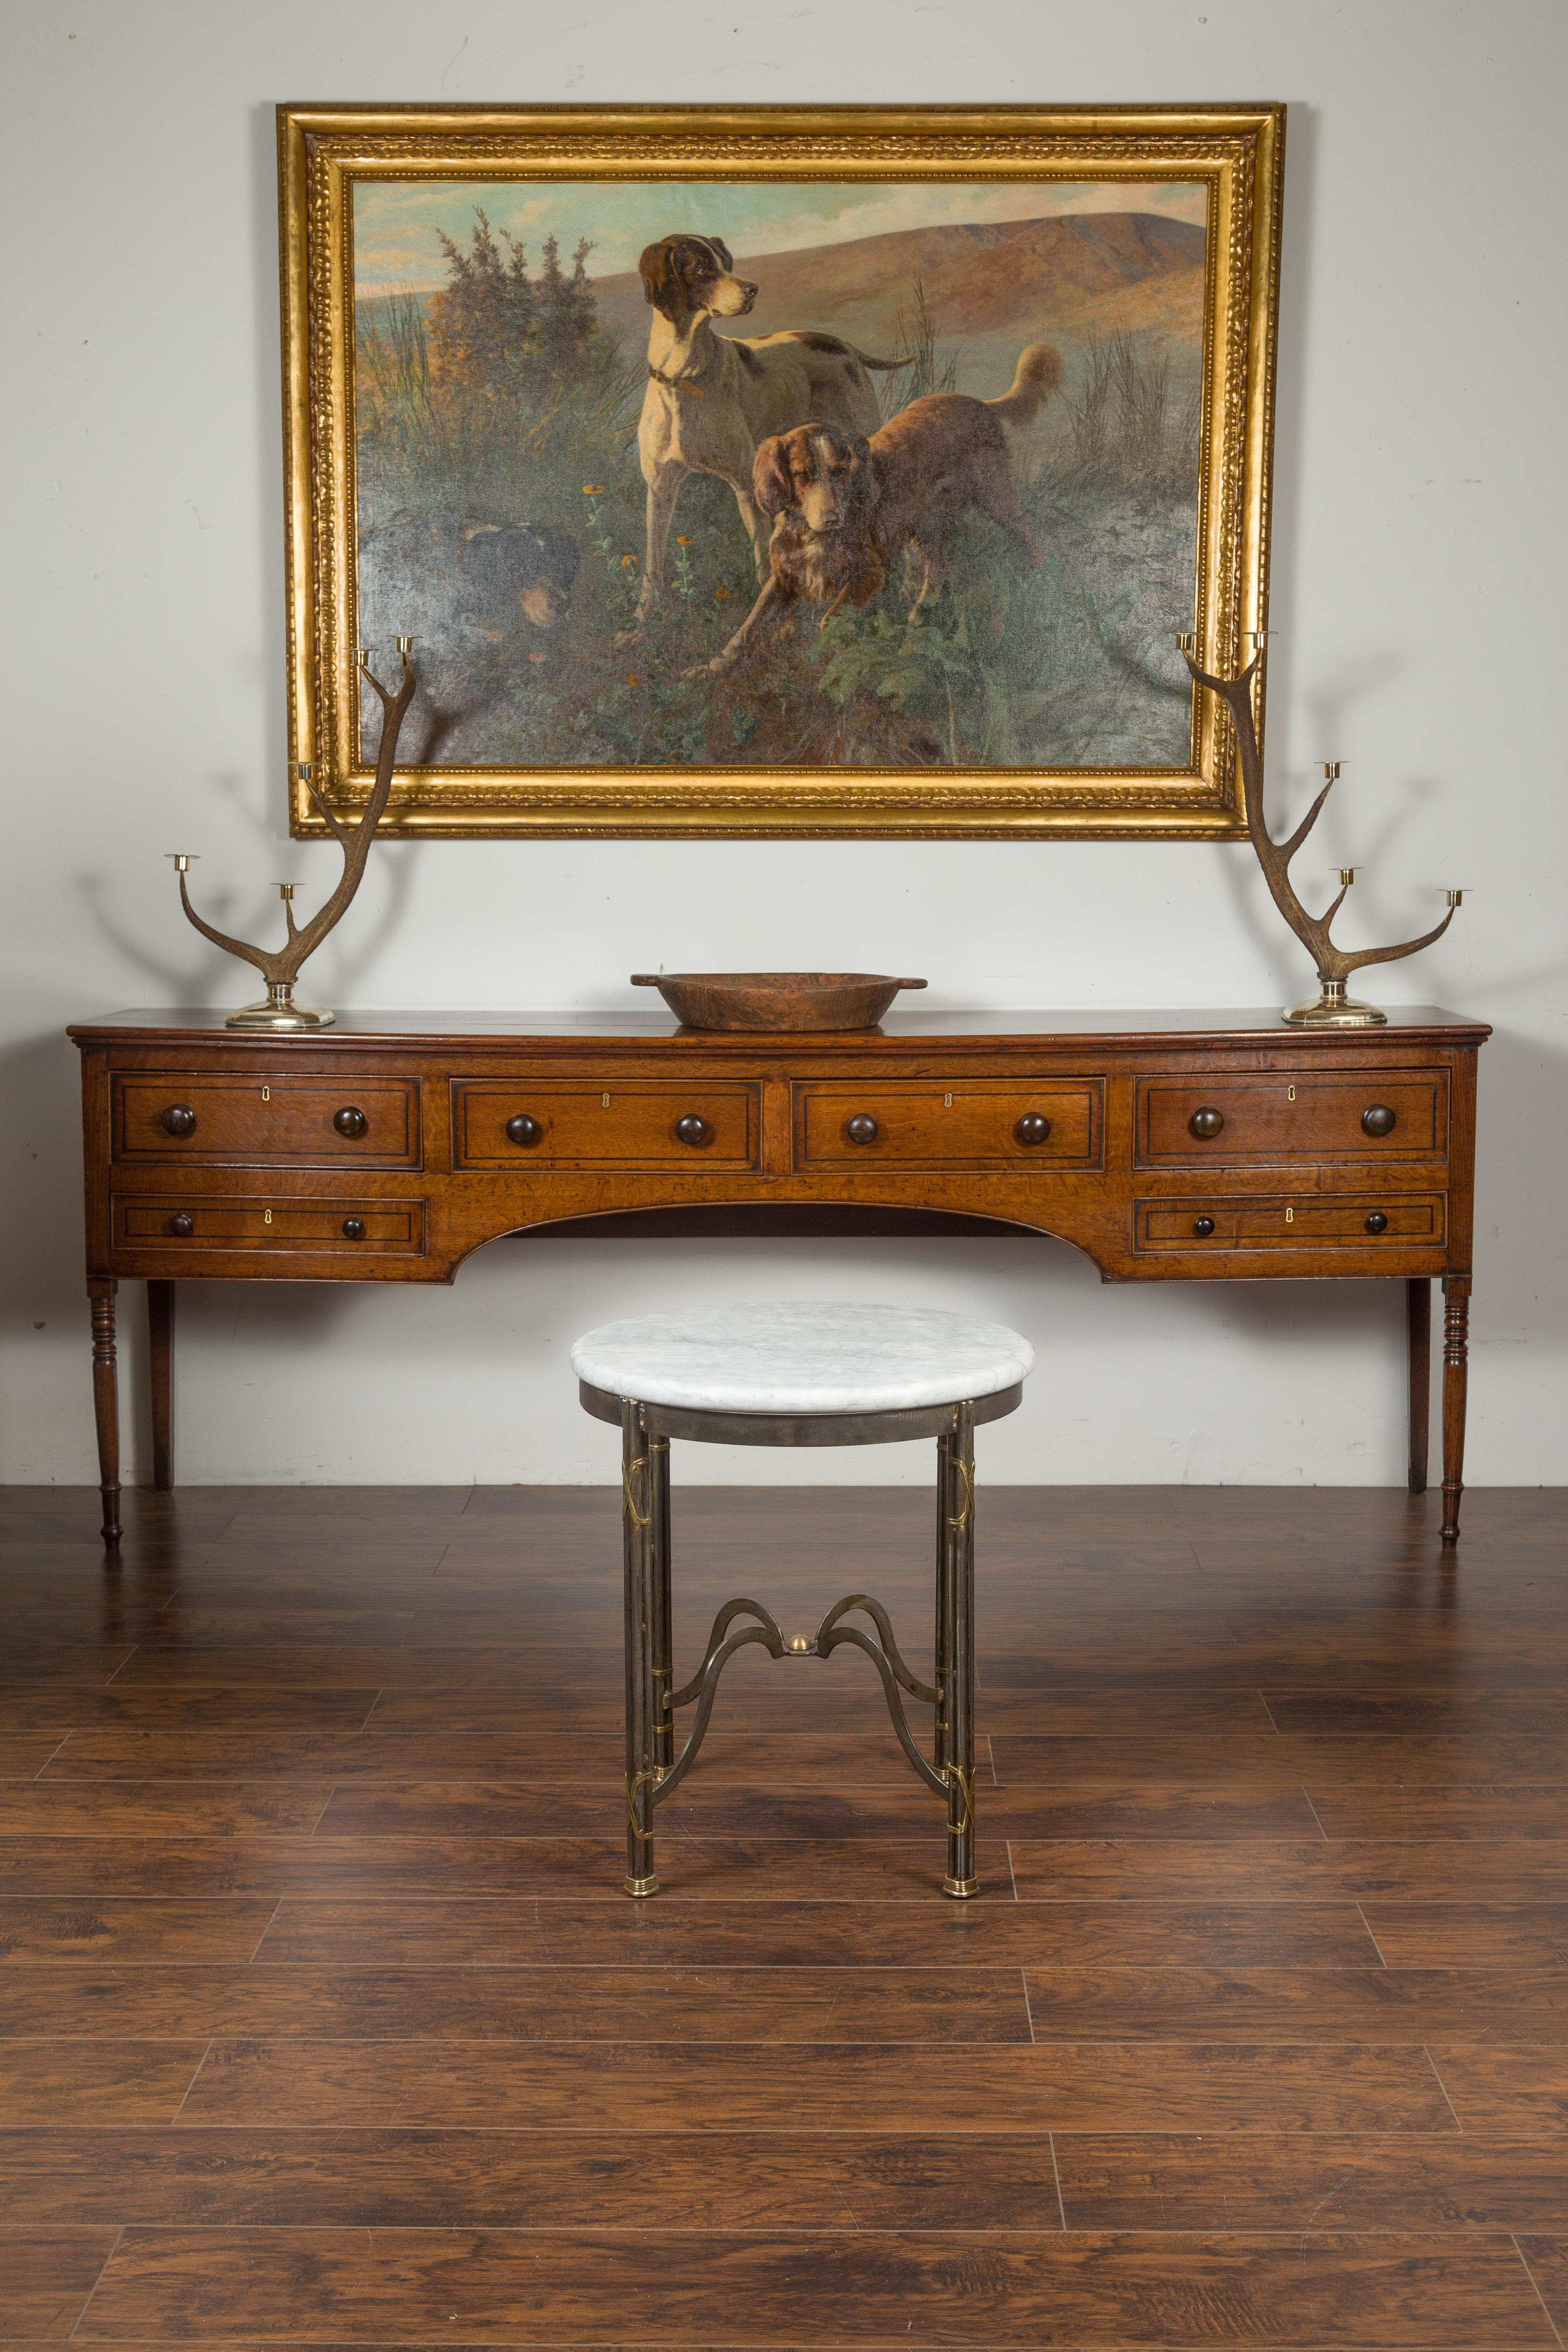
x=1290, y=1216
x=947, y=1102
x=266, y=1216
x=266, y=1094
x=604, y=1102
x=1289, y=1093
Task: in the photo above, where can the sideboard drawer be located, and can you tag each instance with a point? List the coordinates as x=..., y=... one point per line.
x=201, y=1223
x=513, y=1123
x=979, y=1123
x=283, y=1121
x=1315, y=1224
x=1286, y=1114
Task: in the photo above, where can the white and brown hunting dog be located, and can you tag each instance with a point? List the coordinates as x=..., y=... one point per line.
x=712, y=400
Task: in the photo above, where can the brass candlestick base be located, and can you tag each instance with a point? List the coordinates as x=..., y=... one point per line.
x=278, y=1009
x=1334, y=1010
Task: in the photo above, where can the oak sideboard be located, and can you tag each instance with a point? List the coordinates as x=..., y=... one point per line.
x=1166, y=1146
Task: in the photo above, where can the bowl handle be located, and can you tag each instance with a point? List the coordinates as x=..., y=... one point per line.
x=911, y=983
x=651, y=980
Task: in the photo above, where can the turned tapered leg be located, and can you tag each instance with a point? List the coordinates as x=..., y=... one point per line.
x=161, y=1353
x=943, y=1643
x=663, y=1635
x=642, y=1771
x=958, y=1690
x=106, y=1403
x=1456, y=1369
x=1418, y=1329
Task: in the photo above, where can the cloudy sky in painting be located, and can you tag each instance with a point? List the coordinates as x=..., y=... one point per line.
x=395, y=244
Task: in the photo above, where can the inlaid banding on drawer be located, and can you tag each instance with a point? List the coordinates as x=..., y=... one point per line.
x=282, y=1120
x=1201, y=1226
x=1277, y=1116
x=517, y=1124
x=200, y=1223
x=975, y=1123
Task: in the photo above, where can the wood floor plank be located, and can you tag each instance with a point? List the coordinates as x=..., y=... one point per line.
x=386, y=2178
x=1460, y=1812
x=990, y=1933
x=47, y=2275
x=544, y=2002
x=211, y=1927
x=1285, y=1870
x=823, y=2088
x=1458, y=1933
x=770, y=1695
x=1356, y=2004
x=862, y=2287
x=157, y=1808
x=1547, y=2259
x=1294, y=1761
x=233, y=1711
x=901, y=1809
x=25, y=1753
x=555, y=1758
x=848, y=1870
x=1519, y=2086
x=1417, y=2182
x=103, y=2083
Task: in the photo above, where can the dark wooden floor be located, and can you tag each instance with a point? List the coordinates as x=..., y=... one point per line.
x=326, y=2021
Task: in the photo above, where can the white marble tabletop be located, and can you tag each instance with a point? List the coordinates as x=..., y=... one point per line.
x=803, y=1358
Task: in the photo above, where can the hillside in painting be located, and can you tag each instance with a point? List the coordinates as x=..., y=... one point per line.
x=1063, y=278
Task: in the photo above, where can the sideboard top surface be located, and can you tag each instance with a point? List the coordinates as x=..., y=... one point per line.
x=1414, y=1024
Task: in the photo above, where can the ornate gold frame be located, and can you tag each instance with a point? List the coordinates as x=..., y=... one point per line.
x=1238, y=151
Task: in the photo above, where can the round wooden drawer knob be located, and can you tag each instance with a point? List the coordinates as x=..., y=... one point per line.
x=1378, y=1119
x=1033, y=1127
x=861, y=1128
x=1377, y=1223
x=179, y=1119
x=182, y=1224
x=1203, y=1227
x=693, y=1131
x=1206, y=1123
x=349, y=1121
x=523, y=1130
x=354, y=1229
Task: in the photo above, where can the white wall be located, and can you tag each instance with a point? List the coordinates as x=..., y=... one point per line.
x=1417, y=568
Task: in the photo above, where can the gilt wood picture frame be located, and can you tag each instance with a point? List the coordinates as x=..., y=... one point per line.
x=547, y=373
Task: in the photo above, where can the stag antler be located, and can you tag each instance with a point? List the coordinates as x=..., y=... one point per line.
x=1333, y=1007
x=279, y=967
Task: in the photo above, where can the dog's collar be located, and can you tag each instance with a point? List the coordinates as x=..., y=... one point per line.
x=692, y=384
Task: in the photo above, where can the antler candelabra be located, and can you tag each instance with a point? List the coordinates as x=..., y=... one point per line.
x=1331, y=1008
x=279, y=967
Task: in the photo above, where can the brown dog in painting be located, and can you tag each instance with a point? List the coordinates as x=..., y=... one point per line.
x=712, y=398
x=846, y=504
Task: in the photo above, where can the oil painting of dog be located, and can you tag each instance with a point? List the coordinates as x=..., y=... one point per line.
x=751, y=478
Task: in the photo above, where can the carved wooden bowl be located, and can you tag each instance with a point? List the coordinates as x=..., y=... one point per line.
x=775, y=1000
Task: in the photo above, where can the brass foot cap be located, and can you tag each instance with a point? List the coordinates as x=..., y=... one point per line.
x=641, y=1886
x=960, y=1886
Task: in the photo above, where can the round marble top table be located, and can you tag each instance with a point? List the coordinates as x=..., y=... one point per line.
x=803, y=1359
